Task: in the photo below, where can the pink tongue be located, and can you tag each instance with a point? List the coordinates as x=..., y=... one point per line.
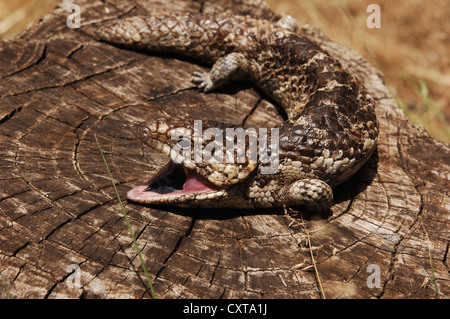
x=193, y=184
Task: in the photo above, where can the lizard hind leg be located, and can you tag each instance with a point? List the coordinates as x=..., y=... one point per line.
x=231, y=67
x=314, y=194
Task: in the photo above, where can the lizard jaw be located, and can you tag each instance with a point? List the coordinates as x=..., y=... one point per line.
x=173, y=183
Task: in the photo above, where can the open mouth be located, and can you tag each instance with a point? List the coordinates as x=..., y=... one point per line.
x=172, y=182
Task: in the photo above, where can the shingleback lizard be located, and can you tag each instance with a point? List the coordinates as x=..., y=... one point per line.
x=330, y=132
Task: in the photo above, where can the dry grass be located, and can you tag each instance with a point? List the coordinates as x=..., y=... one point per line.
x=411, y=47
x=15, y=15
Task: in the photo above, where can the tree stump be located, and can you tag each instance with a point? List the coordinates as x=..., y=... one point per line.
x=386, y=236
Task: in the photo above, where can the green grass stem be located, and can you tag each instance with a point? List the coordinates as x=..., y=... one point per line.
x=128, y=222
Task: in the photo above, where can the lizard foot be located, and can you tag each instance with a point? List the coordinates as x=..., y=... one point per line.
x=203, y=81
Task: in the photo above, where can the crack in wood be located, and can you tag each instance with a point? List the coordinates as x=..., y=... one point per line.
x=65, y=84
x=10, y=115
x=41, y=55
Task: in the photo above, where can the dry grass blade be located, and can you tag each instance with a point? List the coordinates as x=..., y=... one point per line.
x=431, y=264
x=316, y=272
x=304, y=266
x=6, y=287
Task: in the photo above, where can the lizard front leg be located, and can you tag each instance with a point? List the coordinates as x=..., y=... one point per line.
x=231, y=67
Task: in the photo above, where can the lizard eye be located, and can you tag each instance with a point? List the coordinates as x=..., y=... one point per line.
x=145, y=131
x=184, y=142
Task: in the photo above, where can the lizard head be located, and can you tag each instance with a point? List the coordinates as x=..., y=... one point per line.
x=201, y=168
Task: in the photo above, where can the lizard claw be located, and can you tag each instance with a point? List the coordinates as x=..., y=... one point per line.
x=202, y=80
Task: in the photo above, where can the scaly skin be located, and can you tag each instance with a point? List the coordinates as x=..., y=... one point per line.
x=331, y=129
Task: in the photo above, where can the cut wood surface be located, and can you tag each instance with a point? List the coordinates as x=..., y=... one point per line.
x=386, y=236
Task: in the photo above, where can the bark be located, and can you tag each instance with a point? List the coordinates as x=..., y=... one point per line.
x=60, y=88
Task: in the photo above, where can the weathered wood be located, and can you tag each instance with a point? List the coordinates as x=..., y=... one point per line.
x=60, y=88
